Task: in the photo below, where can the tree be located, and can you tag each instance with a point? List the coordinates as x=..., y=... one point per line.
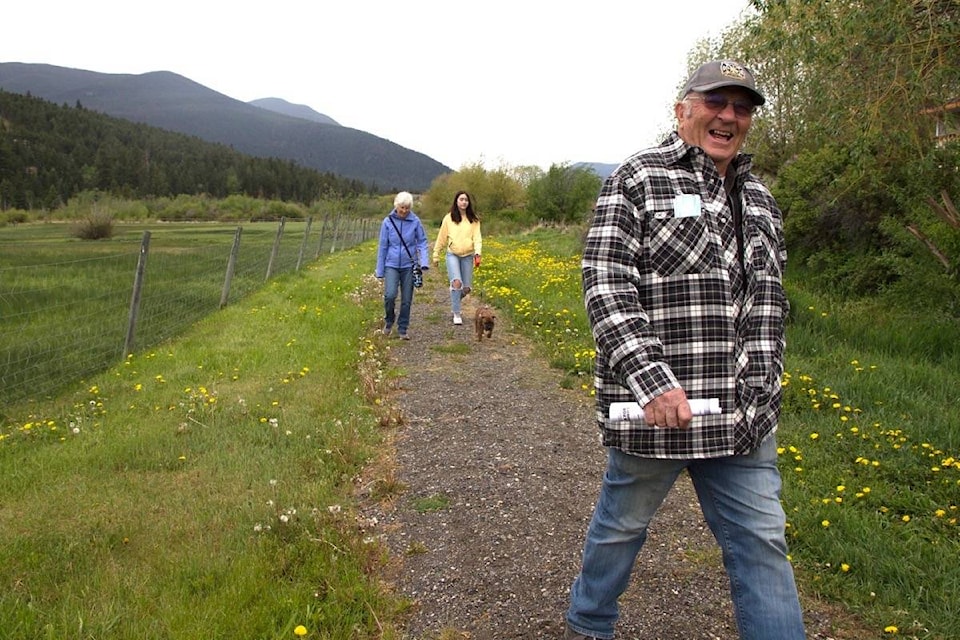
x=564, y=194
x=843, y=138
x=492, y=191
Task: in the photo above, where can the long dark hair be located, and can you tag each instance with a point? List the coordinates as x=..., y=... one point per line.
x=455, y=210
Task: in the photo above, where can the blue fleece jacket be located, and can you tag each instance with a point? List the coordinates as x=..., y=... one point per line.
x=391, y=253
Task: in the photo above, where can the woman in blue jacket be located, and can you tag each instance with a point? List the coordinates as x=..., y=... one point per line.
x=403, y=243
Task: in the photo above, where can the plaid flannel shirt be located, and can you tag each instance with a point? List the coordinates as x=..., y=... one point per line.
x=671, y=305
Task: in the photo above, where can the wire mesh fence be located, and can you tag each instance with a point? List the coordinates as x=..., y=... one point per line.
x=72, y=309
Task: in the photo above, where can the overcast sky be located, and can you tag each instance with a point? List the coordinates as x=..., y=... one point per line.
x=502, y=82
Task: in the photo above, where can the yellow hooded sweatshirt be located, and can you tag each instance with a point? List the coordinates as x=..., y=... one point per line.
x=461, y=239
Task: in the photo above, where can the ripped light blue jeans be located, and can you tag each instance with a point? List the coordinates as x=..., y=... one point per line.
x=740, y=500
x=459, y=268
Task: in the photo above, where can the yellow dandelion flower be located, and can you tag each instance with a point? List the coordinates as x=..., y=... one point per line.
x=844, y=567
x=300, y=630
x=825, y=523
x=890, y=629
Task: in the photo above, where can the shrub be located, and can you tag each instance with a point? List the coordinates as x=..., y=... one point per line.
x=13, y=216
x=97, y=226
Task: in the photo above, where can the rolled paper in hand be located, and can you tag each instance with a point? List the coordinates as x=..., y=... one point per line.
x=633, y=411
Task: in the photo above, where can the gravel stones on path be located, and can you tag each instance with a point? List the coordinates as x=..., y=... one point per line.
x=501, y=468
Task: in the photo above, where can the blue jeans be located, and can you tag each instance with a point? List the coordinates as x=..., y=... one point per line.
x=395, y=280
x=740, y=500
x=459, y=268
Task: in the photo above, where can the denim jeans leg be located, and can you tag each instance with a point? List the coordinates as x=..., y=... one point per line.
x=633, y=489
x=466, y=270
x=406, y=299
x=453, y=273
x=740, y=498
x=391, y=285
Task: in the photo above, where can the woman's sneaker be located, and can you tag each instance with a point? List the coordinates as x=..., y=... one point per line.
x=466, y=292
x=457, y=318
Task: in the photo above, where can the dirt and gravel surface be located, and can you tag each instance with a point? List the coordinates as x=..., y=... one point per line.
x=514, y=464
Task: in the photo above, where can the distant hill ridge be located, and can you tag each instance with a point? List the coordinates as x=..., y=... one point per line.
x=269, y=128
x=302, y=111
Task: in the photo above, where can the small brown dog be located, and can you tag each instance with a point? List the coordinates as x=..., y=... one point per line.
x=483, y=320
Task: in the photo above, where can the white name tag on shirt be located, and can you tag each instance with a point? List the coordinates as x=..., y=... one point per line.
x=686, y=205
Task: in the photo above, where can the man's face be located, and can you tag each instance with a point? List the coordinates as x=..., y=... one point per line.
x=716, y=121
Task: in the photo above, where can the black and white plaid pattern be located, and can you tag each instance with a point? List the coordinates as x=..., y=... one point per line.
x=671, y=306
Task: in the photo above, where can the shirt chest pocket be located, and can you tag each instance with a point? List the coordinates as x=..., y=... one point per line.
x=679, y=246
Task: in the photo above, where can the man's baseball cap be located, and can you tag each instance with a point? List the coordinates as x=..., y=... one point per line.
x=723, y=73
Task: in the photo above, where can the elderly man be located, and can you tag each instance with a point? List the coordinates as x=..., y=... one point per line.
x=682, y=280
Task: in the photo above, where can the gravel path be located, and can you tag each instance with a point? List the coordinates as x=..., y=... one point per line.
x=516, y=464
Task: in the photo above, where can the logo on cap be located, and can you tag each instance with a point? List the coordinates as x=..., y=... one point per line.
x=733, y=70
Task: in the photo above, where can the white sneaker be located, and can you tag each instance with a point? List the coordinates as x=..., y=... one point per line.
x=457, y=319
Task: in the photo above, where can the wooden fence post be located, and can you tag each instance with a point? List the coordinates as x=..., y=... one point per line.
x=303, y=245
x=137, y=293
x=336, y=233
x=323, y=230
x=276, y=247
x=231, y=267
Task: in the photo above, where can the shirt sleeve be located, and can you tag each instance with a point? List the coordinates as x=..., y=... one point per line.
x=441, y=242
x=611, y=283
x=382, y=250
x=423, y=248
x=477, y=240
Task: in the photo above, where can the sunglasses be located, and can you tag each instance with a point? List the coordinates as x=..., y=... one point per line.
x=718, y=102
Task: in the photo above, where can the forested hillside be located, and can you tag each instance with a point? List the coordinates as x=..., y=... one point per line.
x=49, y=153
x=172, y=102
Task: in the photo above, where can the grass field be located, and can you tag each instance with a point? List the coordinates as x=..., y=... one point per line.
x=65, y=304
x=869, y=438
x=203, y=487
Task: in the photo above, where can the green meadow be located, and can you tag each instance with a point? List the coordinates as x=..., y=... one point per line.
x=869, y=438
x=204, y=487
x=66, y=303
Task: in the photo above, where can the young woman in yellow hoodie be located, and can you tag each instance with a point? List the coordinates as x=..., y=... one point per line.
x=460, y=237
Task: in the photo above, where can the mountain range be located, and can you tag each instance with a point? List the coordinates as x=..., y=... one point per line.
x=268, y=127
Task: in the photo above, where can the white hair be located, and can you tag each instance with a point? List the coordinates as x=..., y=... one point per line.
x=403, y=198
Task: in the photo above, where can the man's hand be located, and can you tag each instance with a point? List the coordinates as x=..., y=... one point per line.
x=670, y=410
x=476, y=260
